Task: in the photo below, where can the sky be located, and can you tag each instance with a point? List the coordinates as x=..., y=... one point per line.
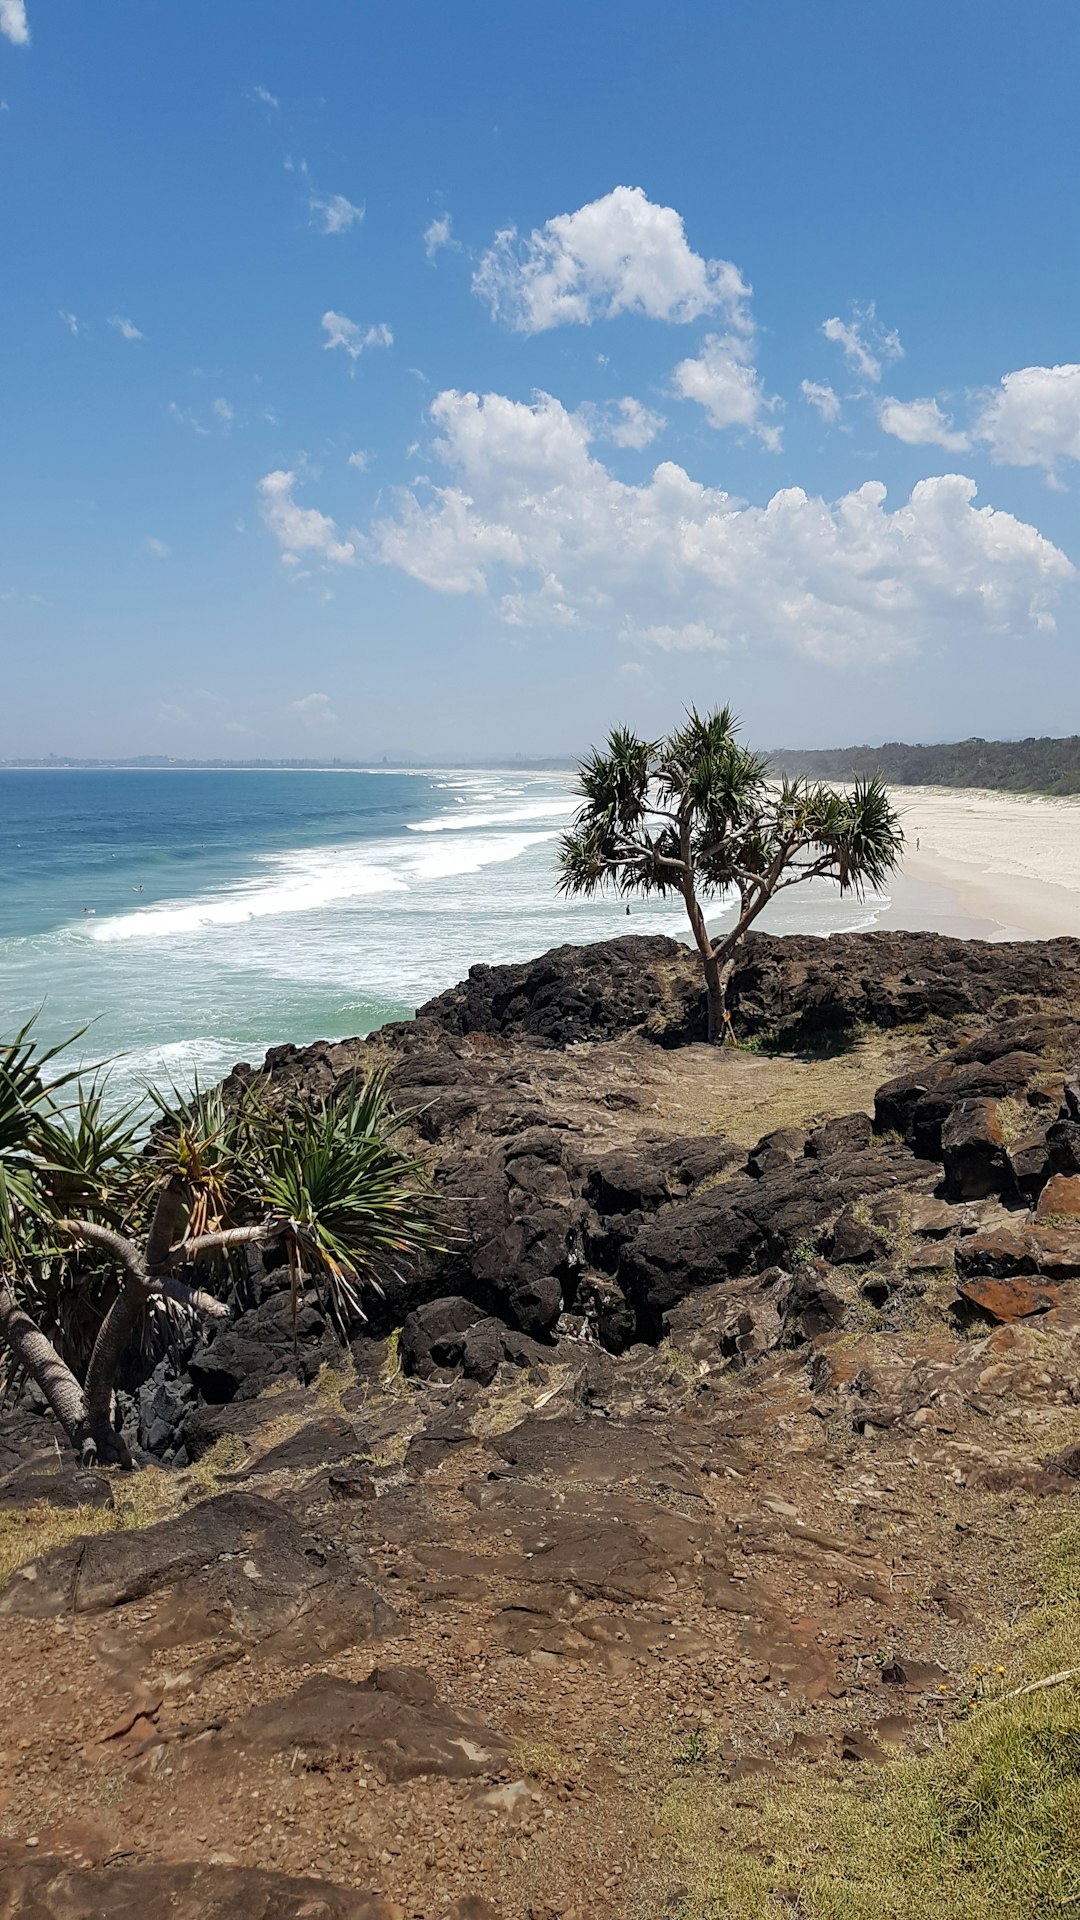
x=460, y=381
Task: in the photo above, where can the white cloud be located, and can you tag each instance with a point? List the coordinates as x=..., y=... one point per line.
x=300, y=530
x=13, y=22
x=821, y=396
x=361, y=460
x=620, y=254
x=439, y=233
x=530, y=517
x=921, y=423
x=864, y=341
x=1032, y=419
x=158, y=548
x=332, y=213
x=315, y=710
x=726, y=383
x=125, y=327
x=71, y=321
x=224, y=411
x=342, y=332
x=267, y=98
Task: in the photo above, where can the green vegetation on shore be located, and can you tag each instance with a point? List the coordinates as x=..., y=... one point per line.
x=1011, y=766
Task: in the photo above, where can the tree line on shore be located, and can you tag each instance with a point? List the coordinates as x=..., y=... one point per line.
x=1009, y=766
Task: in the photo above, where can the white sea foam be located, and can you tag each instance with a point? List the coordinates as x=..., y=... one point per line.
x=312, y=880
x=554, y=807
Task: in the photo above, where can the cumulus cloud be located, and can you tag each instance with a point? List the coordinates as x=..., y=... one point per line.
x=818, y=394
x=619, y=254
x=921, y=423
x=342, y=332
x=530, y=517
x=865, y=343
x=13, y=22
x=300, y=530
x=332, y=213
x=125, y=327
x=1032, y=418
x=724, y=380
x=439, y=233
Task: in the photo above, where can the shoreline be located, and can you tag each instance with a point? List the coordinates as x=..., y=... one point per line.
x=987, y=866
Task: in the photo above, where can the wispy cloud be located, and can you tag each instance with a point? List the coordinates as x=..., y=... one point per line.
x=332, y=213
x=300, y=530
x=125, y=327
x=361, y=460
x=438, y=235
x=821, y=396
x=265, y=97
x=315, y=710
x=354, y=340
x=159, y=548
x=71, y=321
x=864, y=342
x=13, y=22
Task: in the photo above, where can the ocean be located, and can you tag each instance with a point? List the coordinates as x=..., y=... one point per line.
x=191, y=919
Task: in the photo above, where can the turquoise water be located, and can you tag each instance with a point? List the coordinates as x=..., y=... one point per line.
x=196, y=918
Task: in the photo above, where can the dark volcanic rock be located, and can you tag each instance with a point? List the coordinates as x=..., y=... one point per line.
x=433, y=1338
x=260, y=1347
x=50, y=1887
x=973, y=1151
x=748, y=1224
x=579, y=993
x=394, y=1718
x=237, y=1566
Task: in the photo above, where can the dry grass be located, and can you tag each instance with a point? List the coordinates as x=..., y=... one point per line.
x=987, y=1827
x=743, y=1095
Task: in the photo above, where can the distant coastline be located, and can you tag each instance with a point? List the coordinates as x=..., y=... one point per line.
x=1041, y=765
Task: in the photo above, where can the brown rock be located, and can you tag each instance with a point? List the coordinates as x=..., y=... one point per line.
x=973, y=1151
x=1060, y=1198
x=1006, y=1300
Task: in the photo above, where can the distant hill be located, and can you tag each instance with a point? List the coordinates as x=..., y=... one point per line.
x=1013, y=766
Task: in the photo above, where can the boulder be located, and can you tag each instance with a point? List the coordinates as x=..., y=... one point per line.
x=433, y=1338
x=1059, y=1199
x=1007, y=1300
x=973, y=1151
x=265, y=1345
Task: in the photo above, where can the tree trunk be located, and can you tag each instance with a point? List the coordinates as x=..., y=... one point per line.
x=31, y=1350
x=716, y=991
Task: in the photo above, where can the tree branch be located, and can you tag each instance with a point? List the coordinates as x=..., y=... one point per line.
x=193, y=1297
x=122, y=1249
x=221, y=1242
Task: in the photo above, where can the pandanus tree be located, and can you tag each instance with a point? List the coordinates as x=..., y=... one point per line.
x=85, y=1208
x=697, y=815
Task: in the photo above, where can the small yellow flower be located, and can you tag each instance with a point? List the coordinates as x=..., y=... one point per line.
x=942, y=1688
x=978, y=1672
x=999, y=1669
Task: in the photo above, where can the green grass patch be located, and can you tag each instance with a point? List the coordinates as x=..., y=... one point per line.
x=985, y=1827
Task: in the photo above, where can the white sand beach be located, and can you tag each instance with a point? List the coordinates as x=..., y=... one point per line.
x=987, y=866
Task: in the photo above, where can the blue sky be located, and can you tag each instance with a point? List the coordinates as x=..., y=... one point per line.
x=444, y=381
